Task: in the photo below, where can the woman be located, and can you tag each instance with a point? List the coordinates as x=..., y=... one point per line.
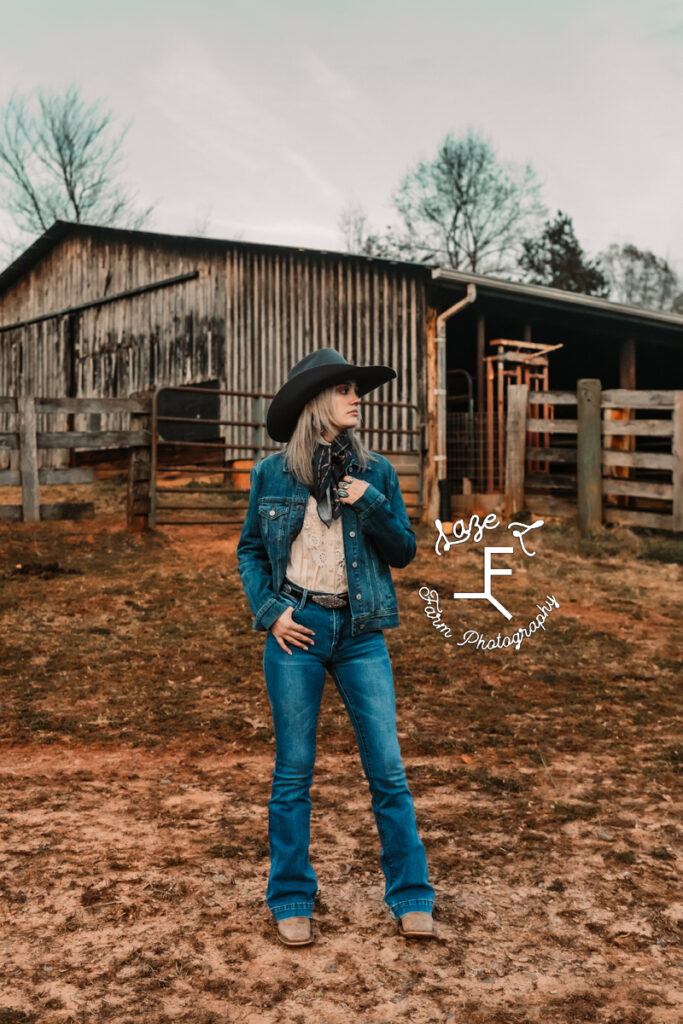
x=326, y=520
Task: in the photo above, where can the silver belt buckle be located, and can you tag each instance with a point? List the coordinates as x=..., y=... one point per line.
x=329, y=600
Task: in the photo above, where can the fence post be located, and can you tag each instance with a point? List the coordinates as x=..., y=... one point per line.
x=589, y=455
x=515, y=448
x=677, y=451
x=139, y=475
x=28, y=458
x=259, y=431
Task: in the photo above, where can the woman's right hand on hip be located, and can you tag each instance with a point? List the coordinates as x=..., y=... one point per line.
x=287, y=631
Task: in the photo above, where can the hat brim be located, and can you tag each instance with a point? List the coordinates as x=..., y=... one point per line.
x=287, y=404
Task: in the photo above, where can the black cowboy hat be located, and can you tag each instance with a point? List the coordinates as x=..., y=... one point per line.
x=308, y=378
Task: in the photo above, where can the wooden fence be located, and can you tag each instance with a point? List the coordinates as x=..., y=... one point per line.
x=28, y=442
x=613, y=456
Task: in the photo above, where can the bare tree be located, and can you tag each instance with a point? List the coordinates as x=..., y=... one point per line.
x=200, y=223
x=60, y=159
x=359, y=238
x=466, y=209
x=353, y=227
x=639, y=278
x=10, y=247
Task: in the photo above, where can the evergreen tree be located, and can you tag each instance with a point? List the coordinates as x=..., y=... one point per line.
x=556, y=259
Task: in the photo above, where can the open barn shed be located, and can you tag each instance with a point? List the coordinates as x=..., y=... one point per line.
x=500, y=328
x=105, y=312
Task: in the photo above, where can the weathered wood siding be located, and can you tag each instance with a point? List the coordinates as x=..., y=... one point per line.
x=251, y=313
x=32, y=362
x=175, y=335
x=283, y=304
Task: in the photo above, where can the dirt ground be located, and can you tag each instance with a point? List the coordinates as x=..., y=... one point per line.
x=136, y=755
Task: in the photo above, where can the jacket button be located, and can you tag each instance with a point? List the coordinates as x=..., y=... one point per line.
x=272, y=512
x=358, y=597
x=361, y=626
x=354, y=565
x=352, y=533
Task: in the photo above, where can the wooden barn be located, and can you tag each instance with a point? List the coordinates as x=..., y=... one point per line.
x=105, y=312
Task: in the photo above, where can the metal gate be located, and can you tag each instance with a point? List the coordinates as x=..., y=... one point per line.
x=204, y=441
x=403, y=445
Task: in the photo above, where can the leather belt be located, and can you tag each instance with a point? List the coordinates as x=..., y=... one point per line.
x=324, y=600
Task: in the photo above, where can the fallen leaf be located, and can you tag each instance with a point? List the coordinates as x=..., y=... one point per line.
x=256, y=723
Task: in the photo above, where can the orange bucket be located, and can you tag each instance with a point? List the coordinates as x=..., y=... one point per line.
x=241, y=469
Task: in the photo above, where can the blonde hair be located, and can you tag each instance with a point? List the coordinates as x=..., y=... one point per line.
x=315, y=417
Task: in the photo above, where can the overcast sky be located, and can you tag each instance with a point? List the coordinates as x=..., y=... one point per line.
x=261, y=120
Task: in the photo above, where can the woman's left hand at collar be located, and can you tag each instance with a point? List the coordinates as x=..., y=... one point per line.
x=350, y=489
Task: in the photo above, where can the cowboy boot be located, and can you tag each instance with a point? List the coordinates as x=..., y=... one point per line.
x=295, y=931
x=418, y=924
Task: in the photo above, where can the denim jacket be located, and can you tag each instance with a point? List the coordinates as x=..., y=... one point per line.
x=377, y=534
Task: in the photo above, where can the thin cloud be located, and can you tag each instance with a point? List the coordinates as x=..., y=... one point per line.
x=326, y=189
x=341, y=98
x=335, y=85
x=213, y=114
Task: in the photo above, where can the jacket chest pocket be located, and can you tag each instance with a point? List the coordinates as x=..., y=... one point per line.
x=273, y=517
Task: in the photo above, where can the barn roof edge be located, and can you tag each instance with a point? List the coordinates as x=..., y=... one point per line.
x=63, y=229
x=446, y=277
x=439, y=276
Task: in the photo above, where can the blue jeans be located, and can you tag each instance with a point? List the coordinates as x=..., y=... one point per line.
x=361, y=670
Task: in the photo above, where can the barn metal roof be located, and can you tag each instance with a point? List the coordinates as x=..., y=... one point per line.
x=441, y=277
x=541, y=294
x=63, y=229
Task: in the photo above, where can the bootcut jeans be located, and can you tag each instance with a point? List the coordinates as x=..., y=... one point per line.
x=361, y=670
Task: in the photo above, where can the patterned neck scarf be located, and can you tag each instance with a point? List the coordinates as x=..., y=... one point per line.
x=330, y=463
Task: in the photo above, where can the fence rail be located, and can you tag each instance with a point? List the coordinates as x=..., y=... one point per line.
x=28, y=441
x=219, y=459
x=186, y=466
x=620, y=460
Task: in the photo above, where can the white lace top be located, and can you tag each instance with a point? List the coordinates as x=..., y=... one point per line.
x=316, y=556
